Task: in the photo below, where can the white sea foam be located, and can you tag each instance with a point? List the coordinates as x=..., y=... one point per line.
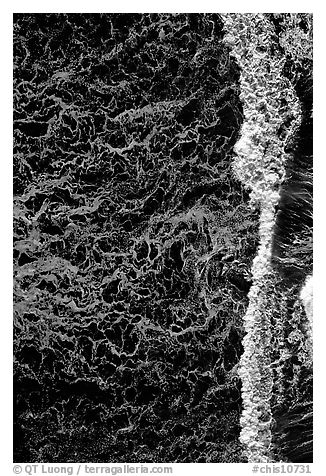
x=306, y=296
x=260, y=164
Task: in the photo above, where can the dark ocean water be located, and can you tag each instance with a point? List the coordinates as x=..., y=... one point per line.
x=134, y=241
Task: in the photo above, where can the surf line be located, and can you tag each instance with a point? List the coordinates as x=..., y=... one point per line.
x=272, y=114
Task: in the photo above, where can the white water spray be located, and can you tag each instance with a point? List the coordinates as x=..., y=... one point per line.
x=268, y=101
